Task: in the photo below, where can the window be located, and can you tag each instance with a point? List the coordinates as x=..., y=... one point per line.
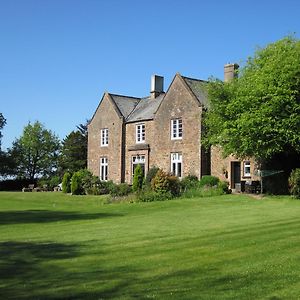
x=247, y=169
x=104, y=137
x=138, y=160
x=140, y=133
x=103, y=168
x=176, y=129
x=176, y=164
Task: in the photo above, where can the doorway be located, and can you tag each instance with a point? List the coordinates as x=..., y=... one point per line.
x=235, y=173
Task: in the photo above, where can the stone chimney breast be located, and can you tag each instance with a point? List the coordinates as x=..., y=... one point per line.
x=157, y=85
x=230, y=72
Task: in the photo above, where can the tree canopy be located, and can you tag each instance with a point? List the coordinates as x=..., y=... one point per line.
x=2, y=123
x=35, y=152
x=258, y=113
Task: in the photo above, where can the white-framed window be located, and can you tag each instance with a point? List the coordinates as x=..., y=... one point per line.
x=140, y=133
x=103, y=168
x=247, y=169
x=176, y=129
x=176, y=164
x=138, y=160
x=104, y=137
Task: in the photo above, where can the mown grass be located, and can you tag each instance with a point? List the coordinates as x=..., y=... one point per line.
x=55, y=246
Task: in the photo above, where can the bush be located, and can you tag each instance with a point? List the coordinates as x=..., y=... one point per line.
x=223, y=186
x=150, y=175
x=160, y=183
x=138, y=178
x=188, y=182
x=66, y=183
x=209, y=181
x=148, y=195
x=294, y=183
x=76, y=185
x=174, y=185
x=122, y=189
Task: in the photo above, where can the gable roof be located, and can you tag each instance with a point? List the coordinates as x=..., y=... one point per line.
x=145, y=109
x=198, y=88
x=125, y=104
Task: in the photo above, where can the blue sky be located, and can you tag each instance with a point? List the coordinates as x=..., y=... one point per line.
x=59, y=56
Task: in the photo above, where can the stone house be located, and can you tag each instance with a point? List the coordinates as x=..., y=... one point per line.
x=163, y=129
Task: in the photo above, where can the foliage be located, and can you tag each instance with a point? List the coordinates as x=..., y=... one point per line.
x=294, y=183
x=138, y=179
x=73, y=155
x=122, y=189
x=66, y=183
x=49, y=183
x=91, y=184
x=164, y=183
x=258, y=114
x=76, y=184
x=148, y=195
x=35, y=153
x=2, y=123
x=209, y=181
x=150, y=175
x=223, y=186
x=188, y=182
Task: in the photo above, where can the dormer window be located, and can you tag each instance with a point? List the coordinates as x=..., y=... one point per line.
x=176, y=129
x=104, y=137
x=140, y=133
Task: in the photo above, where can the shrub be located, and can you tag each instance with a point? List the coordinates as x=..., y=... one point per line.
x=294, y=183
x=223, y=186
x=188, y=182
x=150, y=175
x=122, y=189
x=54, y=182
x=138, y=178
x=76, y=185
x=66, y=183
x=160, y=183
x=209, y=181
x=148, y=196
x=174, y=185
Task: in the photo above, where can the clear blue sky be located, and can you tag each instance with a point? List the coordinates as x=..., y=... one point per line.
x=59, y=56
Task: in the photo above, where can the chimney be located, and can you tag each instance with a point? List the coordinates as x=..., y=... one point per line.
x=157, y=86
x=230, y=72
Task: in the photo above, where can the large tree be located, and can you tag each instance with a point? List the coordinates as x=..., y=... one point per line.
x=258, y=113
x=35, y=152
x=73, y=155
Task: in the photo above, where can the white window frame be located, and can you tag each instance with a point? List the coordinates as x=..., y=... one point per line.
x=104, y=137
x=140, y=133
x=247, y=168
x=137, y=160
x=103, y=169
x=176, y=161
x=176, y=129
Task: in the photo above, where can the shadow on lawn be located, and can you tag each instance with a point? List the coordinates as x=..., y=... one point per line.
x=24, y=266
x=45, y=216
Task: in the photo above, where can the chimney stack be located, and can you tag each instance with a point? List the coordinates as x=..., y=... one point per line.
x=157, y=86
x=230, y=72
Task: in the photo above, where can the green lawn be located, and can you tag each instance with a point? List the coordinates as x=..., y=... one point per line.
x=55, y=246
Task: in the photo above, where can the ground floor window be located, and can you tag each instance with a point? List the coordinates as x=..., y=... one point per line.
x=176, y=164
x=138, y=160
x=103, y=168
x=247, y=169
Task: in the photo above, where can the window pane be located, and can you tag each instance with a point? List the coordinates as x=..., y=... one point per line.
x=179, y=169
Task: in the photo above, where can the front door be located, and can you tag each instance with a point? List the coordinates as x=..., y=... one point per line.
x=235, y=173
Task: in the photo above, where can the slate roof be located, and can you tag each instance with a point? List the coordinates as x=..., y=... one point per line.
x=125, y=104
x=145, y=109
x=198, y=88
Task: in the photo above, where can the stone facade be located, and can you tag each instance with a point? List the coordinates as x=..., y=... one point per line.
x=113, y=121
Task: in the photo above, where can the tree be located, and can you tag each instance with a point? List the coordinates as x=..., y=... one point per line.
x=138, y=178
x=73, y=155
x=258, y=113
x=35, y=152
x=2, y=123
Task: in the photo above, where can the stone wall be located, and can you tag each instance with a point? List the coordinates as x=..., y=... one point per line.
x=106, y=116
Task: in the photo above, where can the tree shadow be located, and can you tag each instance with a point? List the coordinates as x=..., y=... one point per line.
x=45, y=216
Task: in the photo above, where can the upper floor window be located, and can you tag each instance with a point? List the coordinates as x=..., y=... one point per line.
x=104, y=137
x=140, y=133
x=247, y=169
x=176, y=129
x=176, y=164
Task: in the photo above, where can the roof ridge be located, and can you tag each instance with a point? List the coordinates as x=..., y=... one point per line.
x=196, y=79
x=119, y=95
